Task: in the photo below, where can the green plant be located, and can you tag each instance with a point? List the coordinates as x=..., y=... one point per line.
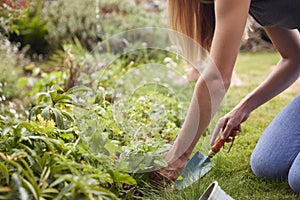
x=11, y=67
x=73, y=137
x=8, y=18
x=44, y=159
x=50, y=108
x=34, y=166
x=61, y=69
x=32, y=30
x=68, y=20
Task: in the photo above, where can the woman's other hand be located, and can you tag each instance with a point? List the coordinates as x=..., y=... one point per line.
x=230, y=125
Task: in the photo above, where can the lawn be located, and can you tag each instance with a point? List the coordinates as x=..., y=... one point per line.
x=232, y=170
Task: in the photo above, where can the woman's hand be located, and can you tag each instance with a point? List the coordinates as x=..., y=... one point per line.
x=168, y=174
x=230, y=125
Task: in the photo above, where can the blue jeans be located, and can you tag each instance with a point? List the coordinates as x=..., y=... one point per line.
x=277, y=153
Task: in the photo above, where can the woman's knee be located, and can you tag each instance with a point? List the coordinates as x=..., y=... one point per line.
x=294, y=175
x=258, y=167
x=275, y=150
x=265, y=167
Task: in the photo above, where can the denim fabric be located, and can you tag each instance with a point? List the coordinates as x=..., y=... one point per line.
x=276, y=155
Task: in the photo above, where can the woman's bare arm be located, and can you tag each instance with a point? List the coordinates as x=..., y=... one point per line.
x=231, y=17
x=286, y=72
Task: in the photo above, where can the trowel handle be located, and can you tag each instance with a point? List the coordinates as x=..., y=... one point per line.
x=216, y=147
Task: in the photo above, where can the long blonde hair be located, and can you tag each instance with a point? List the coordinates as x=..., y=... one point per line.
x=194, y=18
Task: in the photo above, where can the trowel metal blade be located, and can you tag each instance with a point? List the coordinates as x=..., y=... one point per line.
x=196, y=168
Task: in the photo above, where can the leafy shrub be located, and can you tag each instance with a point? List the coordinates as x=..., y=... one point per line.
x=52, y=110
x=11, y=65
x=46, y=26
x=34, y=166
x=32, y=30
x=8, y=18
x=73, y=137
x=69, y=19
x=62, y=69
x=53, y=155
x=74, y=145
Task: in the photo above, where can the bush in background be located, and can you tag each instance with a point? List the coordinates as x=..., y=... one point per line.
x=44, y=26
x=11, y=67
x=26, y=27
x=8, y=18
x=69, y=19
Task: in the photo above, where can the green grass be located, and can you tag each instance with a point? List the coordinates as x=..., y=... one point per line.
x=232, y=170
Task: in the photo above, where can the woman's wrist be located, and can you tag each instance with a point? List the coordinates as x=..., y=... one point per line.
x=247, y=105
x=177, y=153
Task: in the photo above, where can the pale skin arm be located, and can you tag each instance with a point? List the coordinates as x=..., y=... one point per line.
x=286, y=72
x=231, y=17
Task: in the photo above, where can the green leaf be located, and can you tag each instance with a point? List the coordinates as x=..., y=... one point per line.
x=68, y=116
x=4, y=172
x=30, y=187
x=112, y=146
x=46, y=113
x=52, y=144
x=56, y=182
x=64, y=191
x=22, y=82
x=57, y=88
x=28, y=173
x=35, y=109
x=40, y=97
x=5, y=197
x=53, y=94
x=45, y=174
x=50, y=190
x=161, y=163
x=62, y=98
x=119, y=177
x=28, y=149
x=180, y=178
x=58, y=118
x=49, y=193
x=27, y=126
x=76, y=89
x=96, y=141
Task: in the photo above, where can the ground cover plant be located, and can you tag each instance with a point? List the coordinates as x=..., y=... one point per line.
x=48, y=156
x=71, y=142
x=70, y=135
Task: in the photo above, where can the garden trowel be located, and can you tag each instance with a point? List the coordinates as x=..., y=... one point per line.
x=198, y=166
